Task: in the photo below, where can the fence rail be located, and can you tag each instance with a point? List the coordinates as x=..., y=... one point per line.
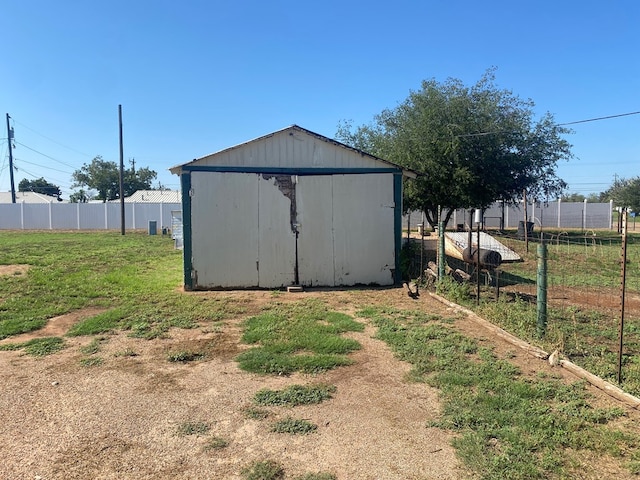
x=84, y=216
x=570, y=215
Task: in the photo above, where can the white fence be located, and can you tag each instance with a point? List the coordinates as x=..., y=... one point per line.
x=578, y=215
x=106, y=216
x=84, y=216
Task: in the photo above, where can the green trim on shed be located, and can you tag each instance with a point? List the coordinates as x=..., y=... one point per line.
x=187, y=248
x=397, y=224
x=289, y=170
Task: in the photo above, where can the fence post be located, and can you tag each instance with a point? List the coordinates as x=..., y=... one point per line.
x=441, y=262
x=584, y=210
x=50, y=216
x=610, y=214
x=623, y=287
x=559, y=204
x=542, y=289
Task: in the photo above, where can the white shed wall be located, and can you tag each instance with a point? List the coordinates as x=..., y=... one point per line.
x=243, y=232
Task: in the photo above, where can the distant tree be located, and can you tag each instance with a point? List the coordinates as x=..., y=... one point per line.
x=573, y=197
x=104, y=177
x=578, y=197
x=624, y=193
x=472, y=145
x=81, y=196
x=39, y=185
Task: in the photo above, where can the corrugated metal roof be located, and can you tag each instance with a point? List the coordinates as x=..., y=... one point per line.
x=410, y=173
x=154, y=196
x=27, y=197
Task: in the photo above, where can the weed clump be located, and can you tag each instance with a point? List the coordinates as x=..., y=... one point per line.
x=295, y=395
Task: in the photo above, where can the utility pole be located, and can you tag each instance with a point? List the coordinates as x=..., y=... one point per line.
x=9, y=140
x=122, y=222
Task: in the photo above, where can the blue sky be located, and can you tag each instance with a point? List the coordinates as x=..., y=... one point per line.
x=194, y=77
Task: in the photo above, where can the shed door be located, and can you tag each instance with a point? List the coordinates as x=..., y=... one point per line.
x=315, y=238
x=363, y=229
x=244, y=229
x=276, y=234
x=346, y=229
x=224, y=229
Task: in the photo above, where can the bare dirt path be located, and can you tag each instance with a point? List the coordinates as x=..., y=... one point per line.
x=119, y=420
x=60, y=420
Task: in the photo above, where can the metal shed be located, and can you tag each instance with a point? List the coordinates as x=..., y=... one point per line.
x=290, y=208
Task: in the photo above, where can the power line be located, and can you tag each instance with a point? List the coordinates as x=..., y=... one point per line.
x=45, y=155
x=482, y=134
x=50, y=139
x=43, y=166
x=599, y=118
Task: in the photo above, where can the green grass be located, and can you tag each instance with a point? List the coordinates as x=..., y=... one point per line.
x=216, y=443
x=184, y=356
x=294, y=395
x=37, y=347
x=586, y=333
x=133, y=277
x=127, y=352
x=303, y=336
x=91, y=361
x=507, y=425
x=255, y=413
x=93, y=347
x=263, y=470
x=193, y=428
x=294, y=426
x=317, y=476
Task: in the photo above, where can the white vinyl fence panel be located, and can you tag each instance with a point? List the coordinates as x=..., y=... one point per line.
x=578, y=215
x=84, y=216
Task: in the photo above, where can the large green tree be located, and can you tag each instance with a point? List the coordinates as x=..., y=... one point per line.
x=104, y=177
x=39, y=185
x=472, y=145
x=625, y=193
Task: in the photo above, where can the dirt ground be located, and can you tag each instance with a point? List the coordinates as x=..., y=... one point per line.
x=120, y=419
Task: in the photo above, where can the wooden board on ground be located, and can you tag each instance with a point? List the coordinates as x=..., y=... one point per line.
x=456, y=242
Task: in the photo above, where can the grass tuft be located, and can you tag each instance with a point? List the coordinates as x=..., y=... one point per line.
x=193, y=428
x=216, y=443
x=317, y=476
x=127, y=352
x=263, y=470
x=295, y=395
x=184, y=356
x=39, y=347
x=255, y=413
x=91, y=361
x=304, y=337
x=93, y=347
x=294, y=426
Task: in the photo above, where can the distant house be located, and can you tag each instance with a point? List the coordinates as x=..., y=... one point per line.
x=291, y=207
x=153, y=196
x=27, y=197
